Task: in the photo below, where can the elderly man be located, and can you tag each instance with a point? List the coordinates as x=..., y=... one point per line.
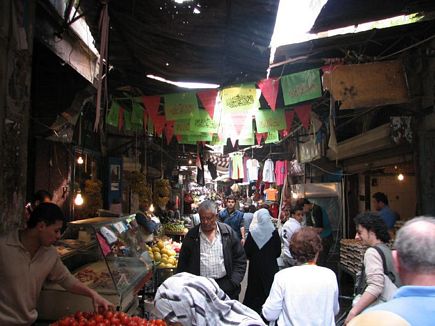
x=212, y=249
x=415, y=261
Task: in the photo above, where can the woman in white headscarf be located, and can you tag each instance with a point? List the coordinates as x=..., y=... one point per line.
x=262, y=247
x=189, y=300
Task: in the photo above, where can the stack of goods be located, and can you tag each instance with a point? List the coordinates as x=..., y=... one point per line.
x=164, y=253
x=175, y=228
x=107, y=318
x=352, y=254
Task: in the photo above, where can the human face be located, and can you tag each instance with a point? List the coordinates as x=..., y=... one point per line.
x=307, y=208
x=49, y=234
x=376, y=205
x=364, y=235
x=208, y=220
x=231, y=203
x=299, y=215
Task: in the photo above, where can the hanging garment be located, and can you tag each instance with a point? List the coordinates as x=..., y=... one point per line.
x=252, y=166
x=212, y=169
x=280, y=172
x=271, y=194
x=237, y=166
x=268, y=171
x=245, y=170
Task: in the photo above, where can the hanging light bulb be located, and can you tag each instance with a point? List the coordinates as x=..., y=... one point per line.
x=80, y=160
x=190, y=161
x=78, y=201
x=400, y=177
x=151, y=208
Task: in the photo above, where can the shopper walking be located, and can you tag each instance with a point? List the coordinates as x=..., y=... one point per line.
x=233, y=217
x=377, y=283
x=262, y=247
x=212, y=249
x=306, y=294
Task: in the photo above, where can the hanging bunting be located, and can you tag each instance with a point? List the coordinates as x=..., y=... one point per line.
x=243, y=99
x=283, y=133
x=152, y=104
x=159, y=124
x=259, y=136
x=127, y=120
x=198, y=137
x=201, y=122
x=267, y=120
x=178, y=137
x=112, y=118
x=269, y=88
x=180, y=106
x=121, y=118
x=145, y=120
x=272, y=137
x=216, y=140
x=301, y=86
x=304, y=112
x=137, y=115
x=247, y=141
x=233, y=141
x=169, y=131
x=208, y=100
x=289, y=116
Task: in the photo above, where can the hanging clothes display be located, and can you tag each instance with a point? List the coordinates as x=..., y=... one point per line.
x=280, y=172
x=268, y=171
x=252, y=166
x=271, y=194
x=245, y=170
x=236, y=162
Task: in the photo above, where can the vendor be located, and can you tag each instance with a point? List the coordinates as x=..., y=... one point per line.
x=27, y=260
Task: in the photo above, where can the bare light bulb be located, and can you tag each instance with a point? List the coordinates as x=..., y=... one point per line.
x=80, y=160
x=78, y=201
x=400, y=177
x=294, y=195
x=190, y=161
x=151, y=209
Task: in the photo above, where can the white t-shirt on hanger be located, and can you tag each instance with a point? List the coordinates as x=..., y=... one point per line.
x=269, y=171
x=252, y=166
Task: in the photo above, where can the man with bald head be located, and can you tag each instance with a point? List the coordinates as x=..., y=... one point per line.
x=414, y=258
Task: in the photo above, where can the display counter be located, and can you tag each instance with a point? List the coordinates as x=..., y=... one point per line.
x=106, y=254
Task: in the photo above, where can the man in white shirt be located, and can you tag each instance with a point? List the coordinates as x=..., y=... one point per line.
x=289, y=228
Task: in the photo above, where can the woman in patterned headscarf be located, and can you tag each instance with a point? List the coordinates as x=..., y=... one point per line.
x=186, y=299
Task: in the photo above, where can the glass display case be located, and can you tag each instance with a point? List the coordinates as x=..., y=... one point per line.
x=106, y=254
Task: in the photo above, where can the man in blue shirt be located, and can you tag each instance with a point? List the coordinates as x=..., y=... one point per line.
x=233, y=218
x=414, y=258
x=380, y=203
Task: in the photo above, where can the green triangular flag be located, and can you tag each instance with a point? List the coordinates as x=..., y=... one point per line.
x=112, y=118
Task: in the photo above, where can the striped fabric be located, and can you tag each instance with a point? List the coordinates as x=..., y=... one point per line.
x=198, y=301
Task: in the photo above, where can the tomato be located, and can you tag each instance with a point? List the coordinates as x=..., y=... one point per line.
x=100, y=324
x=124, y=319
x=108, y=314
x=78, y=315
x=91, y=322
x=99, y=318
x=115, y=321
x=67, y=321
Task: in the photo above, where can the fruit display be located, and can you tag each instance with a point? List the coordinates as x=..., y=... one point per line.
x=106, y=318
x=163, y=254
x=175, y=228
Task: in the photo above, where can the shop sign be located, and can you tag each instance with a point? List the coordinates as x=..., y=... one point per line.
x=267, y=120
x=242, y=99
x=180, y=106
x=201, y=122
x=272, y=137
x=301, y=86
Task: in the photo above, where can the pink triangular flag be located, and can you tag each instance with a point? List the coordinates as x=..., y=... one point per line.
x=145, y=120
x=121, y=118
x=159, y=124
x=152, y=104
x=304, y=114
x=259, y=136
x=289, y=115
x=208, y=100
x=169, y=131
x=283, y=133
x=269, y=89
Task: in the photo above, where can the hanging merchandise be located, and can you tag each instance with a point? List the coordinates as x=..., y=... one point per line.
x=280, y=172
x=252, y=166
x=271, y=194
x=268, y=171
x=236, y=163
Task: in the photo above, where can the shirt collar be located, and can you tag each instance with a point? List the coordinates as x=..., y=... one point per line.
x=218, y=232
x=13, y=239
x=415, y=291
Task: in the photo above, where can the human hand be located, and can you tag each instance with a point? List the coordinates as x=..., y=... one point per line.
x=101, y=304
x=350, y=316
